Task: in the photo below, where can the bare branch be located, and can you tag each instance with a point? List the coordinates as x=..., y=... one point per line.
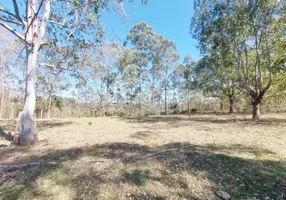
x=20, y=36
x=11, y=21
x=51, y=66
x=7, y=12
x=34, y=17
x=32, y=164
x=54, y=68
x=16, y=9
x=62, y=24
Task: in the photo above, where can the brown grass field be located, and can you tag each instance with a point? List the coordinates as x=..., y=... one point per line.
x=163, y=157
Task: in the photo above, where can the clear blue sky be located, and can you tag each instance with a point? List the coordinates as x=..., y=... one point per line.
x=168, y=17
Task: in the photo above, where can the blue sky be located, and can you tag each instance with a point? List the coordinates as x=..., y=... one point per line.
x=169, y=18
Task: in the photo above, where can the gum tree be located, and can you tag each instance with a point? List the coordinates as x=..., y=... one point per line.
x=251, y=32
x=31, y=21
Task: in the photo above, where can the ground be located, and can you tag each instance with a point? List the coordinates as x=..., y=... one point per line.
x=163, y=157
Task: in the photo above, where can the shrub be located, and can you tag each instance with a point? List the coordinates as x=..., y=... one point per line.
x=115, y=112
x=194, y=111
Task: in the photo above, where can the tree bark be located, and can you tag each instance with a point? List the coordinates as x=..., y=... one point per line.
x=221, y=104
x=166, y=106
x=140, y=94
x=2, y=102
x=50, y=101
x=256, y=111
x=27, y=120
x=2, y=92
x=189, y=109
x=230, y=106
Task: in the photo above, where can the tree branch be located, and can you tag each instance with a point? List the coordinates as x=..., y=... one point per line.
x=11, y=21
x=45, y=18
x=7, y=12
x=20, y=36
x=34, y=17
x=16, y=9
x=61, y=24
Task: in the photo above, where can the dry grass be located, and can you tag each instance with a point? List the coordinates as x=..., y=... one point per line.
x=166, y=157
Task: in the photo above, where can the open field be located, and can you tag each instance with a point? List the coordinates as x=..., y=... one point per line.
x=163, y=157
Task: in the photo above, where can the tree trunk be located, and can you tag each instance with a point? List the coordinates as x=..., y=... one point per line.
x=189, y=109
x=50, y=101
x=2, y=93
x=106, y=103
x=140, y=94
x=230, y=106
x=256, y=111
x=2, y=102
x=27, y=120
x=166, y=106
x=221, y=104
x=41, y=113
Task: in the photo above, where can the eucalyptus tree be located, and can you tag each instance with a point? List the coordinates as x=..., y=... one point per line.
x=178, y=84
x=109, y=69
x=251, y=31
x=129, y=76
x=166, y=60
x=31, y=21
x=186, y=71
x=143, y=39
x=216, y=78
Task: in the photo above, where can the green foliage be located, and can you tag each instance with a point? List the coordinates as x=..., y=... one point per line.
x=116, y=112
x=242, y=41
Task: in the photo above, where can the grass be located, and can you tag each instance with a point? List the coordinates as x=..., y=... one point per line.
x=169, y=157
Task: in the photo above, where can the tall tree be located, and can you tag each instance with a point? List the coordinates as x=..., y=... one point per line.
x=142, y=38
x=186, y=71
x=109, y=69
x=31, y=21
x=250, y=31
x=166, y=60
x=216, y=77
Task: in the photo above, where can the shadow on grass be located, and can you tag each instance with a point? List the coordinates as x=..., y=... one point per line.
x=135, y=166
x=181, y=120
x=46, y=124
x=7, y=136
x=8, y=126
x=141, y=134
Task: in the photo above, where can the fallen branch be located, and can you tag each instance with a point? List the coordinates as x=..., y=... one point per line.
x=154, y=154
x=32, y=164
x=99, y=160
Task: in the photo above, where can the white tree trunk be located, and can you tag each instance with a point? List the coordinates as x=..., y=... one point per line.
x=35, y=31
x=2, y=92
x=27, y=121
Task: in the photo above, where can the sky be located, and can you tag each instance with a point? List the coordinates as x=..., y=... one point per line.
x=169, y=18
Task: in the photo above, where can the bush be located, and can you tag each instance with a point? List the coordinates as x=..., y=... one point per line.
x=115, y=112
x=148, y=112
x=194, y=111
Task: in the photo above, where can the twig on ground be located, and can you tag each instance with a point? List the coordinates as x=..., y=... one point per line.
x=98, y=160
x=27, y=165
x=159, y=152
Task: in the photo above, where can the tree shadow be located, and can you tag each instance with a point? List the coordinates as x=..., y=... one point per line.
x=47, y=124
x=183, y=120
x=7, y=136
x=168, y=165
x=9, y=127
x=141, y=134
